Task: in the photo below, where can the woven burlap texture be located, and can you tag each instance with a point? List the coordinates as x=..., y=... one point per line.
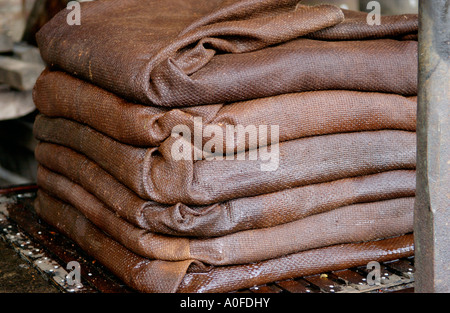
x=189, y=276
x=227, y=217
x=193, y=52
x=342, y=92
x=302, y=162
x=356, y=223
x=297, y=115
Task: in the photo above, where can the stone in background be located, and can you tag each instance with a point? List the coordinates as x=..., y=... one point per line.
x=13, y=15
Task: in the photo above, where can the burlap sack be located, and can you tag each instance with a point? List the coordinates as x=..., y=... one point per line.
x=153, y=173
x=298, y=115
x=188, y=276
x=361, y=222
x=228, y=217
x=355, y=26
x=181, y=53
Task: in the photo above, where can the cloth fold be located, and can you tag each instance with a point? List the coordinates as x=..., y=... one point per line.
x=214, y=145
x=355, y=26
x=300, y=162
x=189, y=276
x=356, y=223
x=228, y=217
x=297, y=115
x=196, y=52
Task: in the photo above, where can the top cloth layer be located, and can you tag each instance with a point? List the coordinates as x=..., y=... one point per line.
x=179, y=53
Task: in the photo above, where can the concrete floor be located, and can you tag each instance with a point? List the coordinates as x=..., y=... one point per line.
x=17, y=276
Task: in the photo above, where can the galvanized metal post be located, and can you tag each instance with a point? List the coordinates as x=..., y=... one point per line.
x=432, y=212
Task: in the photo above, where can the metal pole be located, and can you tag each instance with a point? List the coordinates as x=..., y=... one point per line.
x=432, y=212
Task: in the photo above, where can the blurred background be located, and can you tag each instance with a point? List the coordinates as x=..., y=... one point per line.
x=20, y=65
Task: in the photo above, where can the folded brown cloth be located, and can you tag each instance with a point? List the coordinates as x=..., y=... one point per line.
x=298, y=115
x=194, y=52
x=153, y=173
x=334, y=258
x=190, y=276
x=356, y=223
x=355, y=26
x=228, y=217
x=340, y=188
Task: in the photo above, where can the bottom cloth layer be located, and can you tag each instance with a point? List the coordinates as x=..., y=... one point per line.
x=148, y=275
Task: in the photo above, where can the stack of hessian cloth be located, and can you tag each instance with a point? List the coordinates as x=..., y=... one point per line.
x=215, y=145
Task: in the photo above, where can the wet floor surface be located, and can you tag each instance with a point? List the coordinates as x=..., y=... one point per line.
x=17, y=276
